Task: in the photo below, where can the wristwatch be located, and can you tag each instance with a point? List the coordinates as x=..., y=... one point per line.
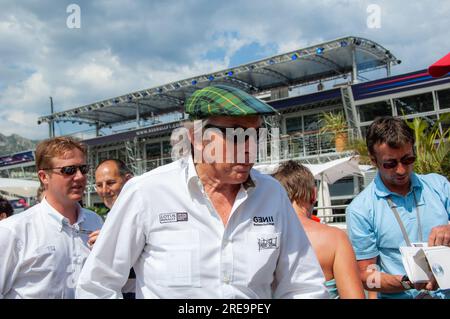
x=406, y=283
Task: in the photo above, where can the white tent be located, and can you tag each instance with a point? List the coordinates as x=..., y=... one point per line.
x=326, y=173
x=19, y=187
x=330, y=172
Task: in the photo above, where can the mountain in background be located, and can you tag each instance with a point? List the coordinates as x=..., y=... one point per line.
x=15, y=143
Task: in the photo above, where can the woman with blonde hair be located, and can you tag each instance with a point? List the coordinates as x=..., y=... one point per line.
x=331, y=245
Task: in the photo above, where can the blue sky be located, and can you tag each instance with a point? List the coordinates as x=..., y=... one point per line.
x=124, y=46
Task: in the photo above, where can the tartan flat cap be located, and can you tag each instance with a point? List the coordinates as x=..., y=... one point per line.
x=224, y=100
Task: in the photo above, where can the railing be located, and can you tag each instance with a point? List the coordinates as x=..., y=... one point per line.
x=333, y=217
x=312, y=144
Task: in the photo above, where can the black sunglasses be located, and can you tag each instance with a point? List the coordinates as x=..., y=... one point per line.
x=236, y=135
x=394, y=163
x=71, y=169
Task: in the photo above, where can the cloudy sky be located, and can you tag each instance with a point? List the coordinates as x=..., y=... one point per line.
x=123, y=46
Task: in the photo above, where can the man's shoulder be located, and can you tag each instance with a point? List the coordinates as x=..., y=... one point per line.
x=433, y=180
x=173, y=168
x=91, y=216
x=364, y=200
x=18, y=221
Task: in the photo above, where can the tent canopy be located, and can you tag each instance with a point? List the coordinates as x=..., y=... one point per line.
x=19, y=187
x=329, y=172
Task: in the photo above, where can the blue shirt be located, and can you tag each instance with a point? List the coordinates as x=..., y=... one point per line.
x=374, y=231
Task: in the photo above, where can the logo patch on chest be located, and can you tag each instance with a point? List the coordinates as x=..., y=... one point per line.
x=268, y=243
x=263, y=220
x=173, y=217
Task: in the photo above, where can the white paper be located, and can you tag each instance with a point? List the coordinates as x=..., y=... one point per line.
x=439, y=260
x=415, y=264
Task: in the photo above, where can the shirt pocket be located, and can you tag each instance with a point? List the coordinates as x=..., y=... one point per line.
x=175, y=258
x=43, y=259
x=262, y=256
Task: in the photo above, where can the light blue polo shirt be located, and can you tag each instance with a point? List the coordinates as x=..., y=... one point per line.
x=374, y=231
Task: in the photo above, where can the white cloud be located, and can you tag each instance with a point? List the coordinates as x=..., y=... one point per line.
x=143, y=44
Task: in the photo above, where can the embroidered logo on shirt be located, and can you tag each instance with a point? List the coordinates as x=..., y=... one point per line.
x=173, y=217
x=262, y=221
x=268, y=243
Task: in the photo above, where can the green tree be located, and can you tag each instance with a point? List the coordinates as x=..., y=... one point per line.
x=432, y=146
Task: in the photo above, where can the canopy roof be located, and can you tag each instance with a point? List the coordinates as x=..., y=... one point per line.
x=325, y=61
x=19, y=187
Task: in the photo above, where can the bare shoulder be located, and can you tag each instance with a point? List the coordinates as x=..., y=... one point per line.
x=332, y=235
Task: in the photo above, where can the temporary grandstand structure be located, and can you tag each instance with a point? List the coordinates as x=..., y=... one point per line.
x=340, y=58
x=146, y=145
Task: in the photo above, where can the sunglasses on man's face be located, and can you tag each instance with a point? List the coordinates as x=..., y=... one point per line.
x=71, y=169
x=235, y=135
x=407, y=160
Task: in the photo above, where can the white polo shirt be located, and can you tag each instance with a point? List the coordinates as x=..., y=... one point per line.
x=164, y=225
x=42, y=254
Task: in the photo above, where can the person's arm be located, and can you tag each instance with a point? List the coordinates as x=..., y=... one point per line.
x=298, y=273
x=116, y=249
x=374, y=280
x=345, y=270
x=440, y=235
x=8, y=261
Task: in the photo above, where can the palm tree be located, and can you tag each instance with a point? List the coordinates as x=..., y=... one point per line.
x=432, y=146
x=337, y=124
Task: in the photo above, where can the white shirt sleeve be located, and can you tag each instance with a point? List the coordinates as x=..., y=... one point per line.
x=9, y=258
x=298, y=274
x=118, y=246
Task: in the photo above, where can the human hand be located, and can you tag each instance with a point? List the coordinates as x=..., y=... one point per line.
x=430, y=285
x=93, y=238
x=439, y=235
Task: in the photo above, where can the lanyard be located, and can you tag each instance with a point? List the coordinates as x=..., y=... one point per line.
x=402, y=227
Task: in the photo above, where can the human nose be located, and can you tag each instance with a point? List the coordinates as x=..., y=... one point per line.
x=401, y=168
x=78, y=175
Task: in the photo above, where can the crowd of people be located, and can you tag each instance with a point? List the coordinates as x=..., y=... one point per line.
x=220, y=229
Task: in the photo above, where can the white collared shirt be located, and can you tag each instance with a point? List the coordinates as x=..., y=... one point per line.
x=42, y=254
x=164, y=225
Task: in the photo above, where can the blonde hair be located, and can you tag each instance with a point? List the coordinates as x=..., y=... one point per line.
x=55, y=147
x=297, y=180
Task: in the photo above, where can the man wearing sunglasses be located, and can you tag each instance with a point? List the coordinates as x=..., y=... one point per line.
x=396, y=209
x=44, y=248
x=206, y=225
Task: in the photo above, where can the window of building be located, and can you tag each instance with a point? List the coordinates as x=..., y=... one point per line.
x=294, y=124
x=444, y=99
x=370, y=111
x=153, y=150
x=414, y=104
x=312, y=122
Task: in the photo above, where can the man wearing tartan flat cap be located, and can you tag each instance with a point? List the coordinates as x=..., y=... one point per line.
x=206, y=225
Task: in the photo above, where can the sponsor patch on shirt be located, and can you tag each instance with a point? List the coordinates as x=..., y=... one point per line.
x=173, y=217
x=268, y=243
x=263, y=220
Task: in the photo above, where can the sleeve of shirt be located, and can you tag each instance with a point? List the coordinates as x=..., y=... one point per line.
x=445, y=195
x=361, y=233
x=298, y=274
x=9, y=258
x=118, y=246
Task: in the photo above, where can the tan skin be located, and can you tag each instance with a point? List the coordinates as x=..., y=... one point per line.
x=63, y=192
x=108, y=184
x=398, y=180
x=334, y=252
x=3, y=216
x=222, y=181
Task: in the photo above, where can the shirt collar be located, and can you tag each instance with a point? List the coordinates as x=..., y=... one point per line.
x=382, y=191
x=192, y=176
x=58, y=218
